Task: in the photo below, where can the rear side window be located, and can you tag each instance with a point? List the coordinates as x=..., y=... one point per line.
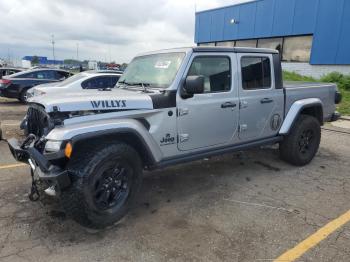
x=96, y=83
x=114, y=80
x=61, y=75
x=256, y=73
x=10, y=72
x=26, y=75
x=49, y=74
x=216, y=71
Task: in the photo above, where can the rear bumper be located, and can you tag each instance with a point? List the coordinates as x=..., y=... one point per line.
x=52, y=174
x=4, y=92
x=335, y=116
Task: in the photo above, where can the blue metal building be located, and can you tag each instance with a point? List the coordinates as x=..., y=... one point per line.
x=314, y=31
x=43, y=60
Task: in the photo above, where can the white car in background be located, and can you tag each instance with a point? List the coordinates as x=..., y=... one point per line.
x=85, y=80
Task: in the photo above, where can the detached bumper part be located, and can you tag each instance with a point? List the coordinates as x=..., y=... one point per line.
x=19, y=154
x=55, y=176
x=43, y=168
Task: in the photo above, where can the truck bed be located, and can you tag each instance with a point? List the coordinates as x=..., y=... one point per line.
x=296, y=84
x=302, y=90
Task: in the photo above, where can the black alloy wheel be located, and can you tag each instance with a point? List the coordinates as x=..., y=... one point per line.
x=111, y=185
x=306, y=141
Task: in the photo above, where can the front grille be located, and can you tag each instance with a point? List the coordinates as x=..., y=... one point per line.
x=38, y=121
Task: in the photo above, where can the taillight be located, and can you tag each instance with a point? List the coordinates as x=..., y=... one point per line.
x=5, y=82
x=338, y=97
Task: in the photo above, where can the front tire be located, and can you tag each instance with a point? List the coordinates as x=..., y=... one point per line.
x=302, y=143
x=104, y=187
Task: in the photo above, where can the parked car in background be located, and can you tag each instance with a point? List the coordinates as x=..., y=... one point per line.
x=5, y=71
x=17, y=85
x=85, y=80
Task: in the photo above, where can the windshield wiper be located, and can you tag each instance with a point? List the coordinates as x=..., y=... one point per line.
x=143, y=85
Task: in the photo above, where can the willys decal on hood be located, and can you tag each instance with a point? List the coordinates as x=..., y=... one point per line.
x=88, y=100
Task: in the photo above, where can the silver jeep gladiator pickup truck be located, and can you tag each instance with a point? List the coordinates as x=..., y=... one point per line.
x=89, y=148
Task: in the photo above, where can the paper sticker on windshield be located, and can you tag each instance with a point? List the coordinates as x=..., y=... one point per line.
x=162, y=64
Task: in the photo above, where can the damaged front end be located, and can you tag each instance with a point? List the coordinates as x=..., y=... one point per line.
x=46, y=158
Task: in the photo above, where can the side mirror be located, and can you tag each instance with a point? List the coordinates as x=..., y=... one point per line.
x=193, y=85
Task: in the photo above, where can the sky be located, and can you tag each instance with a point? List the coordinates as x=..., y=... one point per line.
x=104, y=30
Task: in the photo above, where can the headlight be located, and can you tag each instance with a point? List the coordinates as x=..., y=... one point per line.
x=38, y=93
x=53, y=146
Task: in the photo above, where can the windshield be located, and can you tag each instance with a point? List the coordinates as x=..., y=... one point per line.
x=71, y=79
x=155, y=71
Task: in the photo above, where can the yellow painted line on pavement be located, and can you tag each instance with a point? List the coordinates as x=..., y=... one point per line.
x=313, y=240
x=12, y=166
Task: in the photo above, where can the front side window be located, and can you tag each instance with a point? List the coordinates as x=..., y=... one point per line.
x=216, y=71
x=155, y=71
x=256, y=73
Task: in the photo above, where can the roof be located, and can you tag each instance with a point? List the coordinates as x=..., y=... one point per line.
x=226, y=6
x=46, y=69
x=234, y=50
x=11, y=68
x=213, y=49
x=114, y=72
x=36, y=70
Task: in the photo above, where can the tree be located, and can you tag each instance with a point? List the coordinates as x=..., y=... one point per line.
x=123, y=66
x=35, y=60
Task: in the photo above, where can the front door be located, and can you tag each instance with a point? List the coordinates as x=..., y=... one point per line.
x=211, y=118
x=261, y=104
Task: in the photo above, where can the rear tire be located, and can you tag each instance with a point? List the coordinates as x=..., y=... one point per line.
x=302, y=143
x=23, y=96
x=104, y=187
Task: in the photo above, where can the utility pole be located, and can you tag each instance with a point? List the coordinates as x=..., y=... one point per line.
x=53, y=47
x=8, y=56
x=109, y=50
x=77, y=51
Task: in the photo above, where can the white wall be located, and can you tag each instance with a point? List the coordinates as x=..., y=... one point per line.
x=26, y=64
x=316, y=71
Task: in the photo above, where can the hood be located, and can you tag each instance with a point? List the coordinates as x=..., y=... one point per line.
x=94, y=100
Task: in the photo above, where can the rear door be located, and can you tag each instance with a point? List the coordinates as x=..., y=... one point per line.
x=261, y=104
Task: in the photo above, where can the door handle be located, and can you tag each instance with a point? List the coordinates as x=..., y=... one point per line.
x=228, y=104
x=266, y=100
